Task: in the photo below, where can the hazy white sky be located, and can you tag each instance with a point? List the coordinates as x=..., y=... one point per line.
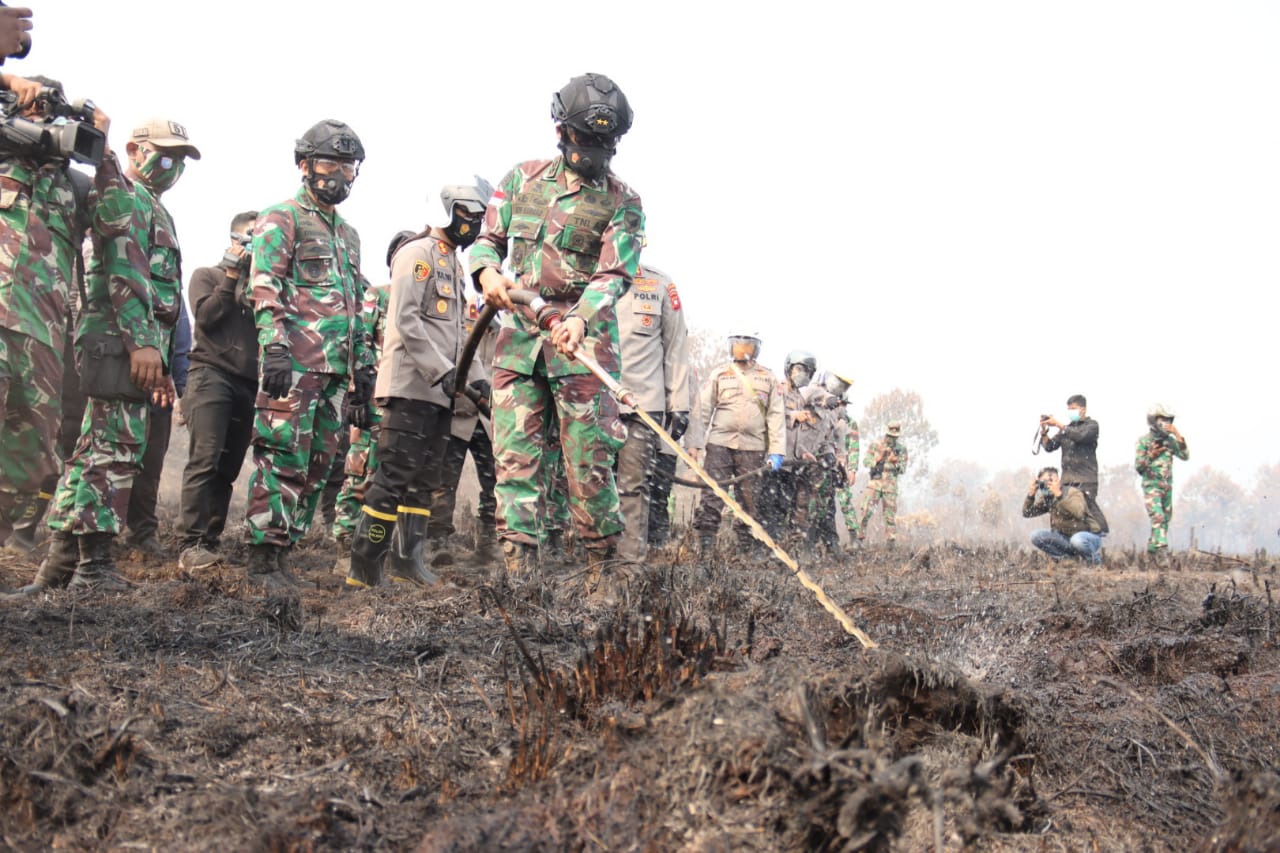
x=996, y=204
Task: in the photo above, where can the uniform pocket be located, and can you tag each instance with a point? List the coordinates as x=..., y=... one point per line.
x=313, y=261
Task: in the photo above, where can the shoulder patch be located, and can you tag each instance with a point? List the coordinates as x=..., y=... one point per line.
x=421, y=270
x=674, y=294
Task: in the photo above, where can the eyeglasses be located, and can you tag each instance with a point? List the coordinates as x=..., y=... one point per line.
x=327, y=165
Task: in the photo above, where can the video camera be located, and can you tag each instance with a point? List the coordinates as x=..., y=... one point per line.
x=63, y=132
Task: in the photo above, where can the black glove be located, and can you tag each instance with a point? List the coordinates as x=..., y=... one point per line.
x=362, y=387
x=446, y=381
x=482, y=388
x=277, y=371
x=677, y=424
x=359, y=416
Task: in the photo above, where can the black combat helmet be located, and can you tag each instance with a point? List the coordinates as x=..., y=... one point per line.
x=328, y=138
x=800, y=356
x=396, y=242
x=594, y=104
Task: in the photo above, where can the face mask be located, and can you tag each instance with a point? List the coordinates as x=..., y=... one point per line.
x=161, y=171
x=1073, y=415
x=589, y=161
x=800, y=375
x=462, y=232
x=332, y=188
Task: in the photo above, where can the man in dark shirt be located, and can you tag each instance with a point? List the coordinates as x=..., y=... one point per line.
x=220, y=394
x=1079, y=442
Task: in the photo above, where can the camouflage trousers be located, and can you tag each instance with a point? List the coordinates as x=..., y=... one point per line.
x=882, y=492
x=848, y=509
x=525, y=410
x=294, y=442
x=31, y=415
x=816, y=505
x=361, y=464
x=1158, y=497
x=553, y=508
x=93, y=492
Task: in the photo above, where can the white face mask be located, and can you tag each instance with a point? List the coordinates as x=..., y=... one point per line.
x=1073, y=415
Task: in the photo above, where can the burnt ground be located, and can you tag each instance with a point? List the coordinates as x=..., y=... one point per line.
x=1012, y=705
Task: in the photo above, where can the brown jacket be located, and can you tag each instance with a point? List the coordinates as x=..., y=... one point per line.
x=1069, y=514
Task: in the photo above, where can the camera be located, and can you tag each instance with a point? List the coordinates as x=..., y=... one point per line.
x=62, y=132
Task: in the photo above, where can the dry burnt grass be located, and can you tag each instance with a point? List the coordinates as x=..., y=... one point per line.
x=1012, y=706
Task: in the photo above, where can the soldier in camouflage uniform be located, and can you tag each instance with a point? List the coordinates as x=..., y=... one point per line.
x=132, y=304
x=741, y=404
x=306, y=289
x=655, y=367
x=425, y=335
x=829, y=474
x=575, y=233
x=1153, y=460
x=362, y=456
x=887, y=460
x=844, y=491
x=44, y=213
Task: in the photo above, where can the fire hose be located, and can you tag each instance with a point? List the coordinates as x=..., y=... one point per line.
x=548, y=318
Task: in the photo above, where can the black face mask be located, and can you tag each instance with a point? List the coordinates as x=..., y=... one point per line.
x=332, y=188
x=589, y=161
x=462, y=232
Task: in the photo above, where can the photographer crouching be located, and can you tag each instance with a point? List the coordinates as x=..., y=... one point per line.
x=1076, y=524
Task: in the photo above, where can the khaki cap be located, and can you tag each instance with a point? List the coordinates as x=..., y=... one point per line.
x=163, y=133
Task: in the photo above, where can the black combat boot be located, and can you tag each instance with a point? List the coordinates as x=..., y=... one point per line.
x=369, y=546
x=59, y=564
x=23, y=539
x=486, y=539
x=264, y=568
x=406, y=559
x=97, y=567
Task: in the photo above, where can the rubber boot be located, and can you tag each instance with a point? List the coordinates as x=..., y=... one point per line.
x=369, y=545
x=59, y=564
x=264, y=567
x=97, y=567
x=23, y=539
x=406, y=559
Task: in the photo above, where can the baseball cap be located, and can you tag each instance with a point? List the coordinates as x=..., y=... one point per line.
x=163, y=133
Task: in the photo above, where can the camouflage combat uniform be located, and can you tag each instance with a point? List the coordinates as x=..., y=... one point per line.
x=134, y=291
x=655, y=367
x=44, y=212
x=306, y=289
x=882, y=490
x=578, y=245
x=1153, y=460
x=744, y=425
x=362, y=455
x=817, y=500
x=844, y=491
